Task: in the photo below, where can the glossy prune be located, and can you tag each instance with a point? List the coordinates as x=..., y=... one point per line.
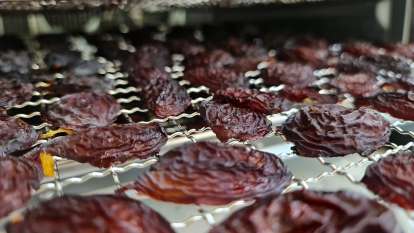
x=18, y=177
x=211, y=59
x=307, y=95
x=91, y=214
x=400, y=105
x=83, y=110
x=216, y=78
x=105, y=146
x=212, y=174
x=291, y=74
x=228, y=121
x=391, y=178
x=15, y=135
x=262, y=102
x=331, y=130
x=163, y=95
x=14, y=91
x=310, y=212
x=358, y=84
x=17, y=62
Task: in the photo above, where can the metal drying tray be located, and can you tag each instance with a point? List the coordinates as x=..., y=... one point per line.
x=309, y=173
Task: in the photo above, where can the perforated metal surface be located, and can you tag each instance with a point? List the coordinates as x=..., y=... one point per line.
x=310, y=173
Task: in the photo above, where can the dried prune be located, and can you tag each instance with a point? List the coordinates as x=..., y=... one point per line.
x=151, y=55
x=162, y=95
x=262, y=102
x=307, y=95
x=400, y=85
x=104, y=146
x=362, y=49
x=216, y=78
x=400, y=105
x=74, y=84
x=91, y=214
x=87, y=68
x=15, y=134
x=61, y=59
x=247, y=55
x=18, y=62
x=358, y=84
x=314, y=57
x=211, y=59
x=213, y=174
x=83, y=110
x=404, y=50
x=228, y=121
x=17, y=179
x=310, y=212
x=188, y=48
x=14, y=90
x=331, y=130
x=391, y=178
x=293, y=74
x=373, y=64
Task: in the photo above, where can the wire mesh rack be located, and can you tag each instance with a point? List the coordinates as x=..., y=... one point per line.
x=309, y=173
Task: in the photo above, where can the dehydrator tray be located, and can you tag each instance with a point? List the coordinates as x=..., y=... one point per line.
x=309, y=173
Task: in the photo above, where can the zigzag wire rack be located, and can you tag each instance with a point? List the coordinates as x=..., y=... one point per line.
x=179, y=133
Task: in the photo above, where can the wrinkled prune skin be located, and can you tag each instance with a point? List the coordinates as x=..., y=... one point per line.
x=307, y=95
x=91, y=214
x=358, y=84
x=330, y=130
x=163, y=95
x=14, y=91
x=18, y=62
x=391, y=178
x=399, y=105
x=83, y=110
x=247, y=55
x=212, y=174
x=310, y=212
x=216, y=78
x=292, y=74
x=75, y=84
x=216, y=58
x=15, y=134
x=105, y=146
x=228, y=121
x=315, y=57
x=17, y=179
x=61, y=59
x=373, y=64
x=261, y=102
x=151, y=55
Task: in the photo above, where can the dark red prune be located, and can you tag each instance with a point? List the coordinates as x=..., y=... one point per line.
x=293, y=74
x=331, y=130
x=373, y=64
x=391, y=178
x=228, y=121
x=262, y=102
x=75, y=84
x=91, y=214
x=163, y=95
x=212, y=174
x=18, y=177
x=188, y=48
x=15, y=135
x=14, y=91
x=404, y=50
x=211, y=59
x=362, y=49
x=307, y=95
x=311, y=56
x=216, y=78
x=400, y=105
x=61, y=59
x=18, y=62
x=105, y=146
x=400, y=85
x=151, y=55
x=83, y=110
x=358, y=84
x=310, y=212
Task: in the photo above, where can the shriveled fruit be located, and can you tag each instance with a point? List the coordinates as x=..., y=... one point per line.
x=213, y=174
x=14, y=90
x=216, y=78
x=331, y=130
x=359, y=84
x=91, y=214
x=310, y=212
x=228, y=121
x=291, y=74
